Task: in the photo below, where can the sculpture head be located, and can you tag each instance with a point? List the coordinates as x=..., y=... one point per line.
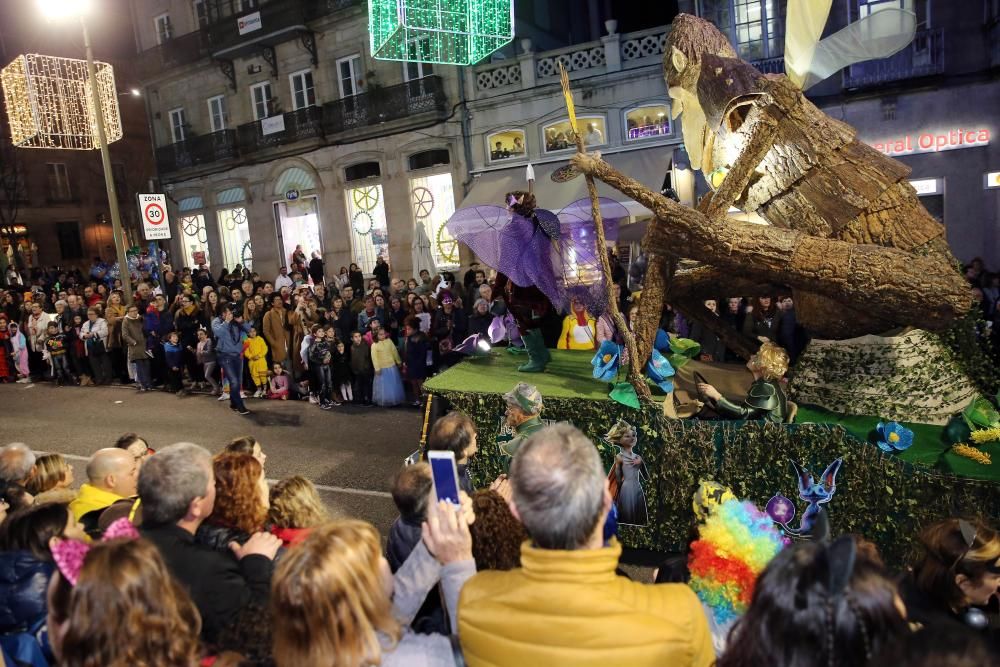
x=689, y=39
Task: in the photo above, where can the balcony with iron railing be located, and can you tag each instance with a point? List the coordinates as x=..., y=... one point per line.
x=379, y=111
x=197, y=151
x=182, y=50
x=281, y=129
x=385, y=104
x=924, y=56
x=233, y=34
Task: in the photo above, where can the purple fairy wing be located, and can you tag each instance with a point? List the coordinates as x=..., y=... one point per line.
x=526, y=255
x=479, y=227
x=581, y=264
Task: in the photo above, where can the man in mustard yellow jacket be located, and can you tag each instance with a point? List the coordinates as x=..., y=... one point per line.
x=565, y=605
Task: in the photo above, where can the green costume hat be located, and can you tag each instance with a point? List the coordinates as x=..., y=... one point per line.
x=526, y=397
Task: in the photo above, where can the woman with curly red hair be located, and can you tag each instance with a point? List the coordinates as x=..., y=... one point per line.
x=241, y=502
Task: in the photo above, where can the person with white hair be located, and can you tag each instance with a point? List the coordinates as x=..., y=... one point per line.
x=17, y=463
x=566, y=604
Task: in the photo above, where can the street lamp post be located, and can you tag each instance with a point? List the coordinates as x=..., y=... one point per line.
x=55, y=8
x=109, y=181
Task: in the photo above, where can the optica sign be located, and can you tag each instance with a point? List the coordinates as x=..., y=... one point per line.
x=934, y=142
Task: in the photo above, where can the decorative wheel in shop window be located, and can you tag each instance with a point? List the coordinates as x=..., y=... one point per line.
x=366, y=198
x=239, y=217
x=423, y=202
x=246, y=256
x=194, y=228
x=363, y=223
x=447, y=246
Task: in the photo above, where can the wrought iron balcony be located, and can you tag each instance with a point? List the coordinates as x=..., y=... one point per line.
x=923, y=57
x=197, y=151
x=182, y=50
x=234, y=33
x=384, y=104
x=287, y=128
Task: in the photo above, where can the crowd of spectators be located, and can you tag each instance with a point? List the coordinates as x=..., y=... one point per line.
x=180, y=558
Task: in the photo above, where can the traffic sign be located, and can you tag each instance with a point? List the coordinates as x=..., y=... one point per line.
x=153, y=211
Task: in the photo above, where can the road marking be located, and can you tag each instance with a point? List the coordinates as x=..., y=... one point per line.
x=319, y=487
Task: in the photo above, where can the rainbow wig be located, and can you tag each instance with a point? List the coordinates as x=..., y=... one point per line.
x=735, y=543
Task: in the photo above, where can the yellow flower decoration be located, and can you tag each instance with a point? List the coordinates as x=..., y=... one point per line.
x=986, y=435
x=976, y=455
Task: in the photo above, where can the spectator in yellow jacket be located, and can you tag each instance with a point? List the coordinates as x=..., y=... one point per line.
x=565, y=605
x=255, y=350
x=579, y=330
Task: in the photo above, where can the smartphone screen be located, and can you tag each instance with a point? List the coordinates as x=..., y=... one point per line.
x=445, y=478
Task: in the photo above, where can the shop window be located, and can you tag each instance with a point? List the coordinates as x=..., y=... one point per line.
x=506, y=145
x=369, y=231
x=194, y=237
x=651, y=120
x=427, y=159
x=559, y=135
x=433, y=201
x=362, y=170
x=298, y=225
x=234, y=232
x=70, y=243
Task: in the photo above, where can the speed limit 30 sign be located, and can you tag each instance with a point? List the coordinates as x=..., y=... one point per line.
x=153, y=211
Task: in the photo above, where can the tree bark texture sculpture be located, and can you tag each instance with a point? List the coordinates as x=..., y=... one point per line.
x=845, y=231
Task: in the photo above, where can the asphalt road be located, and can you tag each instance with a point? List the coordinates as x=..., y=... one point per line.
x=350, y=453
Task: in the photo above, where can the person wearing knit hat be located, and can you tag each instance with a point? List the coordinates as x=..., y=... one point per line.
x=524, y=410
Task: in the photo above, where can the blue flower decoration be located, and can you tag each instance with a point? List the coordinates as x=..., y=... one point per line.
x=893, y=437
x=658, y=370
x=606, y=361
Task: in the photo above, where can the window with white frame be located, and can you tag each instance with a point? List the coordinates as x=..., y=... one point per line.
x=432, y=199
x=246, y=5
x=303, y=93
x=178, y=124
x=58, y=179
x=194, y=238
x=164, y=31
x=558, y=136
x=919, y=7
x=349, y=76
x=260, y=98
x=369, y=230
x=201, y=16
x=234, y=234
x=756, y=27
x=217, y=113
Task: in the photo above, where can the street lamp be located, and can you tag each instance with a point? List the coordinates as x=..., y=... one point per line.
x=56, y=9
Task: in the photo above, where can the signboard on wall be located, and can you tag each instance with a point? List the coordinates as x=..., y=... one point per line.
x=948, y=139
x=153, y=211
x=249, y=23
x=272, y=124
x=992, y=180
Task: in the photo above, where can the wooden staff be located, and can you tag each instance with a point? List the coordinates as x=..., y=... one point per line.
x=635, y=376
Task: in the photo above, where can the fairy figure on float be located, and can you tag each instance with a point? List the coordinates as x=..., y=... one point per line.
x=542, y=259
x=627, y=475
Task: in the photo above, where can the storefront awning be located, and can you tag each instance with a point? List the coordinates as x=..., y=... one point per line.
x=646, y=165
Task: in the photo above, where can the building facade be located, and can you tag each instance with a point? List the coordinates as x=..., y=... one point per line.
x=276, y=129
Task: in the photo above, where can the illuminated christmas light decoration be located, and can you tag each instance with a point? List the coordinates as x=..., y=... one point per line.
x=450, y=32
x=49, y=102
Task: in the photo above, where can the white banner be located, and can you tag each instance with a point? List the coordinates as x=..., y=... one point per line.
x=249, y=23
x=272, y=124
x=153, y=211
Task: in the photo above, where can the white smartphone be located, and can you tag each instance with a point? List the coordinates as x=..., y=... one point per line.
x=444, y=473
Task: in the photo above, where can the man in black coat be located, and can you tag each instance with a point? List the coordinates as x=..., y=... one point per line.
x=177, y=488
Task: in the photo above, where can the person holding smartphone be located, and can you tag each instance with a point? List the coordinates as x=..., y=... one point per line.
x=229, y=331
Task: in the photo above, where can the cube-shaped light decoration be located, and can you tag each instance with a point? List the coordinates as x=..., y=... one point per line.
x=49, y=102
x=451, y=32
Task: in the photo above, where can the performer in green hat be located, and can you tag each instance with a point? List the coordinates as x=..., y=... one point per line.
x=524, y=410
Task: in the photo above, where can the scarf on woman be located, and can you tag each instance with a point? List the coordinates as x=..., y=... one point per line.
x=189, y=310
